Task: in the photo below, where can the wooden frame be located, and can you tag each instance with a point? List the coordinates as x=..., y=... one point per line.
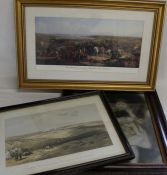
x=58, y=135
x=85, y=55
x=149, y=161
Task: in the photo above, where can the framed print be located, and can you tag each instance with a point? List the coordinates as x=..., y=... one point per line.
x=143, y=122
x=95, y=44
x=60, y=135
x=137, y=114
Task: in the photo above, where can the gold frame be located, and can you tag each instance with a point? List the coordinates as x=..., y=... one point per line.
x=158, y=7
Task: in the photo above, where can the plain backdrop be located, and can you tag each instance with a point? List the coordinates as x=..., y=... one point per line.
x=9, y=93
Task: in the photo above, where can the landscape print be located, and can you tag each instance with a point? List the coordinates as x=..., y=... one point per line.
x=53, y=134
x=88, y=42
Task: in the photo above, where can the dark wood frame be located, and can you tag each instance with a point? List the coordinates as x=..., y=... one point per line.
x=159, y=123
x=92, y=164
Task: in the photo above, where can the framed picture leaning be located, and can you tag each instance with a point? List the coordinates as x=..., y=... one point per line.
x=69, y=134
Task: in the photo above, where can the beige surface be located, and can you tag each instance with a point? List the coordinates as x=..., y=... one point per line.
x=12, y=96
x=9, y=93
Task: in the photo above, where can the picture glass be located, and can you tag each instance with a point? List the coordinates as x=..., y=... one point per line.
x=134, y=117
x=55, y=133
x=88, y=42
x=95, y=44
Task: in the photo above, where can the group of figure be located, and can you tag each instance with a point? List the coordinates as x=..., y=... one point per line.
x=15, y=153
x=72, y=51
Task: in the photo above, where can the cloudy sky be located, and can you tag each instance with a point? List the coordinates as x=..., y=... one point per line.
x=83, y=26
x=51, y=120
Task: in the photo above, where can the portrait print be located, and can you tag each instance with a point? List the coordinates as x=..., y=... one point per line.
x=133, y=115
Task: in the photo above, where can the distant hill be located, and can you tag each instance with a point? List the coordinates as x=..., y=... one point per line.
x=58, y=142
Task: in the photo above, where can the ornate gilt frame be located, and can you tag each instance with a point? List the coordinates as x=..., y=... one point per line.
x=157, y=7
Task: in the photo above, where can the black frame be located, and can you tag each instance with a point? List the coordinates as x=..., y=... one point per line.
x=159, y=123
x=88, y=165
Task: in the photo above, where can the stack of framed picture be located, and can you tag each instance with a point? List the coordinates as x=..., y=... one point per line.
x=143, y=122
x=82, y=45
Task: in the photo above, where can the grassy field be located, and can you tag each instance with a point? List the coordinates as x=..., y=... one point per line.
x=58, y=142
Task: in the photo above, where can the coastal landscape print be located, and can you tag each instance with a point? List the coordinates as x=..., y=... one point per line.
x=88, y=42
x=53, y=134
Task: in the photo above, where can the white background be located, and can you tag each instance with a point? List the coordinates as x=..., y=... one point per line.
x=9, y=93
